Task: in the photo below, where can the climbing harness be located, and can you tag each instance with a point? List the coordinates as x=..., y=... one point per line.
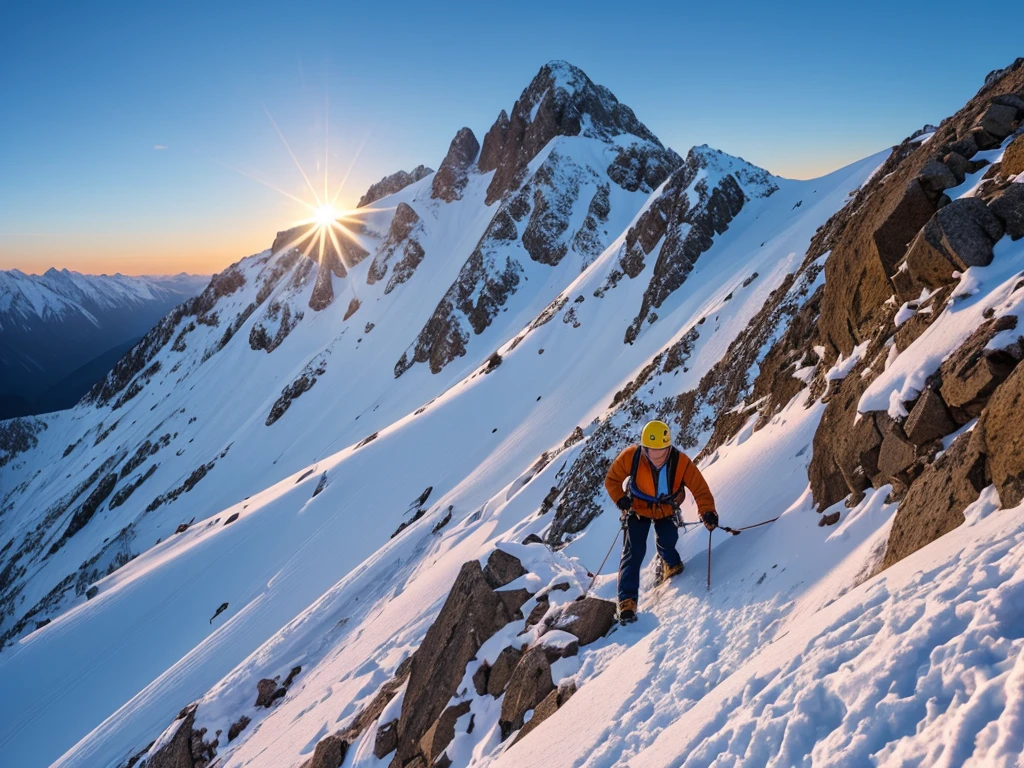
x=671, y=498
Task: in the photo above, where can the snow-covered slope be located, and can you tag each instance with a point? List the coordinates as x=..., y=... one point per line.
x=258, y=500
x=53, y=323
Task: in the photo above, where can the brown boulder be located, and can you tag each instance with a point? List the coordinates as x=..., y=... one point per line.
x=237, y=727
x=589, y=619
x=896, y=455
x=1008, y=207
x=480, y=678
x=971, y=374
x=1013, y=157
x=959, y=236
x=440, y=734
x=958, y=166
x=912, y=211
x=911, y=330
x=1000, y=436
x=329, y=753
x=502, y=568
x=998, y=121
x=937, y=176
x=501, y=670
x=177, y=753
x=928, y=419
x=530, y=683
x=551, y=704
x=268, y=691
x=538, y=611
x=472, y=613
x=935, y=503
x=965, y=147
x=845, y=450
x=386, y=740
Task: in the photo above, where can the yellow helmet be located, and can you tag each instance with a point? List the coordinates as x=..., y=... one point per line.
x=656, y=434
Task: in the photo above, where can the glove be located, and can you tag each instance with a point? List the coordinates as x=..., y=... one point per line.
x=710, y=519
x=625, y=504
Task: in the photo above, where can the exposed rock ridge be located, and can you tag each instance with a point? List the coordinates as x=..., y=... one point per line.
x=699, y=201
x=562, y=101
x=396, y=182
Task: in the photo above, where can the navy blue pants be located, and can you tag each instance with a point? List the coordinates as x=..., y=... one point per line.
x=665, y=537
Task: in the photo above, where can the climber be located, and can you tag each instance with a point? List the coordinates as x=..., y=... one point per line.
x=647, y=482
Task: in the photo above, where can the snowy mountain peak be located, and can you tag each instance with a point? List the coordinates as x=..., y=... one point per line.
x=755, y=181
x=562, y=101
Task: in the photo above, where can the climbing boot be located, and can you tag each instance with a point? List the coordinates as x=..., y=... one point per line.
x=627, y=611
x=668, y=571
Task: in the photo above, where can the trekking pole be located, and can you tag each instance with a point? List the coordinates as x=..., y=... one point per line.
x=709, y=561
x=607, y=555
x=738, y=531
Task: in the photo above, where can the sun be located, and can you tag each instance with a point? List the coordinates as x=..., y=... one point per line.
x=325, y=215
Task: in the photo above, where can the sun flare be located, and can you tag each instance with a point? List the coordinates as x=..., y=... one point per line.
x=326, y=214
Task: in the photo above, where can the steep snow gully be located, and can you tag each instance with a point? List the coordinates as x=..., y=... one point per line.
x=342, y=513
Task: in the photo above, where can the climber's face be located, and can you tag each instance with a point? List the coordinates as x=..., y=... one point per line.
x=658, y=455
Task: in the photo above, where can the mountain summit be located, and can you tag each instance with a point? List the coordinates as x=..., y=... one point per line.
x=562, y=101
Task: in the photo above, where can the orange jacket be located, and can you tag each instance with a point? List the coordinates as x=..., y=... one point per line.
x=687, y=476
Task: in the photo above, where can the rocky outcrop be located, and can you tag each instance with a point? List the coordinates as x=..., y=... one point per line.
x=544, y=208
x=528, y=686
x=971, y=374
x=959, y=236
x=867, y=264
x=551, y=704
x=1000, y=438
x=402, y=245
x=123, y=378
x=472, y=613
x=935, y=503
x=1013, y=157
x=698, y=202
x=273, y=327
x=453, y=174
x=18, y=436
x=589, y=619
x=396, y=182
x=331, y=750
x=562, y=101
x=186, y=748
x=1008, y=207
x=303, y=383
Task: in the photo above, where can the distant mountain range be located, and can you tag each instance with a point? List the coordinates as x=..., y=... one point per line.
x=62, y=331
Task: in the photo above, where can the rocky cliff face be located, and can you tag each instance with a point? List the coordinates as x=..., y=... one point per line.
x=895, y=271
x=332, y=256
x=698, y=202
x=562, y=101
x=401, y=251
x=453, y=172
x=534, y=219
x=396, y=182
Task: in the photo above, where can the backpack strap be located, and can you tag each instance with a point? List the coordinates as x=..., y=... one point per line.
x=632, y=472
x=672, y=465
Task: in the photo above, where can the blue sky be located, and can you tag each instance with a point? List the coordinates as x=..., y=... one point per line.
x=89, y=90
